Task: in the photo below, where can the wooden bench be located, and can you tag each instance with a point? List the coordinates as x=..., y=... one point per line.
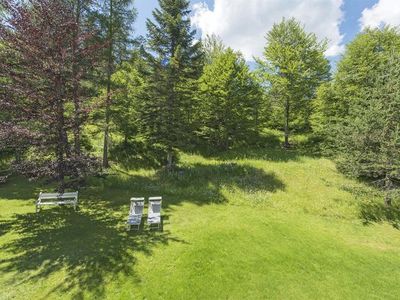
x=58, y=199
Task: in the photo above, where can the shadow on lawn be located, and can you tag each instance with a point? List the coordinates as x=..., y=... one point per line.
x=375, y=212
x=269, y=148
x=196, y=183
x=371, y=204
x=89, y=245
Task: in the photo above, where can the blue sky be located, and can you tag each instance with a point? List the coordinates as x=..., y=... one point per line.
x=242, y=24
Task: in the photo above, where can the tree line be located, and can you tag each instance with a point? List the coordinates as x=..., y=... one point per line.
x=67, y=65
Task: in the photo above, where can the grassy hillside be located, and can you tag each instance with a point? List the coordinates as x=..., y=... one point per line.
x=247, y=224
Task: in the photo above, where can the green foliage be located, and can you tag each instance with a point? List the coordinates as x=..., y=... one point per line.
x=293, y=67
x=368, y=138
x=175, y=62
x=212, y=47
x=129, y=85
x=229, y=101
x=356, y=73
x=115, y=19
x=358, y=113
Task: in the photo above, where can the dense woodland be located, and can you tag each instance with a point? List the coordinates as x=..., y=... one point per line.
x=69, y=69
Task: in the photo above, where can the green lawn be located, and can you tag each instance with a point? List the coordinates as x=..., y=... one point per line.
x=255, y=224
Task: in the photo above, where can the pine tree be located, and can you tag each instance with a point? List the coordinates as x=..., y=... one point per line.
x=116, y=19
x=293, y=66
x=175, y=62
x=229, y=100
x=368, y=138
x=128, y=84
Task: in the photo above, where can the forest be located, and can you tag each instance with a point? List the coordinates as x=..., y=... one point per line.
x=279, y=180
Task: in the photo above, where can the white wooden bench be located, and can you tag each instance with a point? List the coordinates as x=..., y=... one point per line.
x=70, y=198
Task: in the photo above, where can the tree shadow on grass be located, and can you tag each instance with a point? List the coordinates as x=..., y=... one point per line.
x=19, y=188
x=371, y=204
x=375, y=212
x=267, y=153
x=195, y=183
x=88, y=245
x=91, y=247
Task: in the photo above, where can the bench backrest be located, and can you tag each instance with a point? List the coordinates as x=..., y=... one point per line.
x=58, y=195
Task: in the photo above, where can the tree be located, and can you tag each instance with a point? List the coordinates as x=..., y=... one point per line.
x=116, y=18
x=368, y=138
x=82, y=10
x=293, y=67
x=212, y=47
x=355, y=74
x=358, y=113
x=38, y=83
x=175, y=61
x=228, y=101
x=129, y=86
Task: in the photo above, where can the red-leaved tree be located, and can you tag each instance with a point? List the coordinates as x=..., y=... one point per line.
x=46, y=53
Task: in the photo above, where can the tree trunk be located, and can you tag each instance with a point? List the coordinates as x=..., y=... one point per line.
x=108, y=100
x=61, y=146
x=170, y=160
x=388, y=187
x=287, y=111
x=77, y=108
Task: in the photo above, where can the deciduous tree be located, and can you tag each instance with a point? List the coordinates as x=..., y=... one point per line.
x=293, y=66
x=42, y=44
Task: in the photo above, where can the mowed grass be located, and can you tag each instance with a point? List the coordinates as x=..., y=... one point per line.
x=250, y=224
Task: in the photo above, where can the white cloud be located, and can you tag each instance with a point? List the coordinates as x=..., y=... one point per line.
x=243, y=24
x=382, y=13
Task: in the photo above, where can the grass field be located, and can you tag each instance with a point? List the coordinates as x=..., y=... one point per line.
x=247, y=224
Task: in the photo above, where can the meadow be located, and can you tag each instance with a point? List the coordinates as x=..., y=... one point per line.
x=249, y=223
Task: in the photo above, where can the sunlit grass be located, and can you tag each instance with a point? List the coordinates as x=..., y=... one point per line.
x=250, y=223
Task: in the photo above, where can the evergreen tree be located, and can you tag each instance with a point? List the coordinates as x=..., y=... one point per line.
x=116, y=19
x=293, y=67
x=175, y=62
x=368, y=138
x=229, y=100
x=129, y=85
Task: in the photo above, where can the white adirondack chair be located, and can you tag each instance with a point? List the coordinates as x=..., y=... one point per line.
x=135, y=213
x=154, y=214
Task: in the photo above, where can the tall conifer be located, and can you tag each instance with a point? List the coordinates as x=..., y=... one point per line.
x=175, y=62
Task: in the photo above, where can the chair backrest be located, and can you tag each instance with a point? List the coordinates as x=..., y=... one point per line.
x=137, y=206
x=155, y=204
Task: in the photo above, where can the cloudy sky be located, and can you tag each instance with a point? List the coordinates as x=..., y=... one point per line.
x=243, y=24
